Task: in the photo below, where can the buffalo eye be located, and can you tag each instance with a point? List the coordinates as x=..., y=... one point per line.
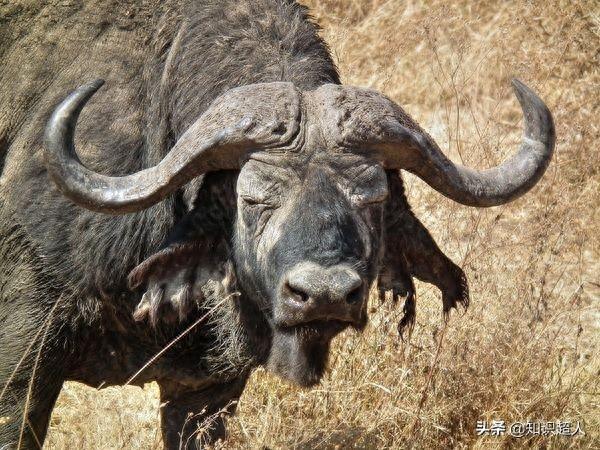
x=250, y=200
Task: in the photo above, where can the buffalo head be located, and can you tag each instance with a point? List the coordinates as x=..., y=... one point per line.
x=310, y=194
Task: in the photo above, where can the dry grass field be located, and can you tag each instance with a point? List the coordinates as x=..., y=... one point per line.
x=528, y=347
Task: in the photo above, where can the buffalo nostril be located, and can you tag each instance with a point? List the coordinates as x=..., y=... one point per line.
x=355, y=295
x=298, y=294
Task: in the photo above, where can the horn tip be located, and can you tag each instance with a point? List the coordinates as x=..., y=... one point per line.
x=517, y=84
x=528, y=99
x=522, y=90
x=539, y=124
x=95, y=85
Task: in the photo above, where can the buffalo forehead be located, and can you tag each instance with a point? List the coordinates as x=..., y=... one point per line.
x=266, y=168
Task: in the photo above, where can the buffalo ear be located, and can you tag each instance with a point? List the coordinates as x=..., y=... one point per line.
x=193, y=265
x=179, y=279
x=410, y=251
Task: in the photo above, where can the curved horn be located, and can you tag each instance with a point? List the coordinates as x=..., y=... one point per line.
x=379, y=125
x=242, y=120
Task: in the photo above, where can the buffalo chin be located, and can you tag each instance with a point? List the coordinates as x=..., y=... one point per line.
x=300, y=353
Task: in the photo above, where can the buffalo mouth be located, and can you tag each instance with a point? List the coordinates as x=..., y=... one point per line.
x=300, y=353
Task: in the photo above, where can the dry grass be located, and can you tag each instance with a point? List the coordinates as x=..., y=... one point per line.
x=528, y=346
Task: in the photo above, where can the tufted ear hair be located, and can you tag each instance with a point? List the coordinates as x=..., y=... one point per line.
x=410, y=251
x=178, y=278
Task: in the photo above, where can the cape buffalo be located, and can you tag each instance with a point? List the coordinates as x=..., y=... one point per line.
x=222, y=172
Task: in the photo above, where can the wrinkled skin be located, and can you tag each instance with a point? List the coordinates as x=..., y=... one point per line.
x=327, y=213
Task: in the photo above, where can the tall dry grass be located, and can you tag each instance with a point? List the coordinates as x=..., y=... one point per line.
x=527, y=349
